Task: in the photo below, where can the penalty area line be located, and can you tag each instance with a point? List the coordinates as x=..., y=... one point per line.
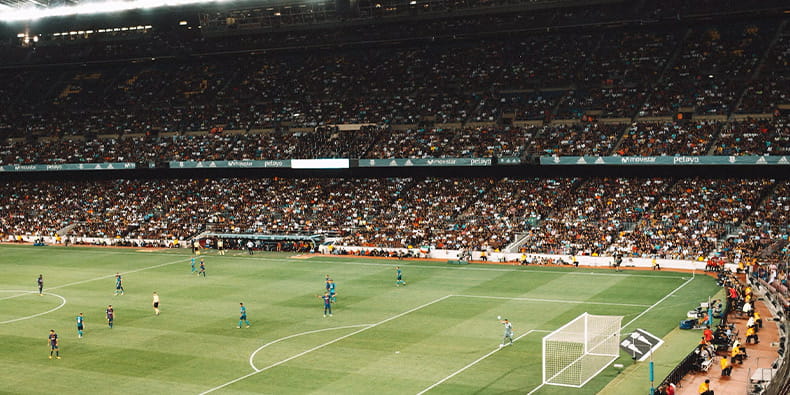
x=636, y=318
x=475, y=362
x=657, y=303
x=320, y=346
x=553, y=300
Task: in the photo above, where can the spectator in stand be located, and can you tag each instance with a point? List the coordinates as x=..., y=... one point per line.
x=726, y=366
x=751, y=335
x=704, y=388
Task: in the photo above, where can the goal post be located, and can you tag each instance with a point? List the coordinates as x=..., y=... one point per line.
x=579, y=350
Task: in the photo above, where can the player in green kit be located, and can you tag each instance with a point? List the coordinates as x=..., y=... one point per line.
x=118, y=284
x=399, y=277
x=508, y=332
x=80, y=324
x=193, y=266
x=243, y=315
x=332, y=291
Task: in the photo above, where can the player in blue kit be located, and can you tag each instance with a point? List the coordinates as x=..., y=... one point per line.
x=54, y=346
x=40, y=283
x=202, y=268
x=80, y=324
x=110, y=315
x=399, y=277
x=327, y=303
x=243, y=315
x=193, y=266
x=118, y=284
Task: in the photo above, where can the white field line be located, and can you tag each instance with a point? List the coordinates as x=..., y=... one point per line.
x=402, y=263
x=23, y=293
x=553, y=300
x=657, y=303
x=635, y=318
x=490, y=269
x=137, y=251
x=529, y=300
x=62, y=303
x=252, y=356
x=318, y=347
x=473, y=363
x=113, y=275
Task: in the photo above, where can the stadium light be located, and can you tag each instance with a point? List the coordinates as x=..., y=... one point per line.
x=8, y=14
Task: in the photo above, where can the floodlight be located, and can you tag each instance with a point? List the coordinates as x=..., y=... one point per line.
x=8, y=14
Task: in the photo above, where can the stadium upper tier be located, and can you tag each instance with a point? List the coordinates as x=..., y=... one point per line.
x=672, y=218
x=519, y=86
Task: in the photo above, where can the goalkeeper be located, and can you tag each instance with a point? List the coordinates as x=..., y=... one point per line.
x=508, y=332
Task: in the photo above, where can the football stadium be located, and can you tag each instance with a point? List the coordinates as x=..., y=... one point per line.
x=394, y=197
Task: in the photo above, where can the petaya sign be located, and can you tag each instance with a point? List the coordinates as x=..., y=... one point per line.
x=426, y=162
x=665, y=160
x=230, y=164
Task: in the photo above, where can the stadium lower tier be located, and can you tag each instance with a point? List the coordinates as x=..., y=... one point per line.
x=660, y=217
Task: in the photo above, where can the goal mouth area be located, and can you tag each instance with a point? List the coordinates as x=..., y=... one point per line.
x=580, y=350
x=581, y=371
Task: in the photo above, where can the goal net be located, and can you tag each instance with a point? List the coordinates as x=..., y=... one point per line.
x=582, y=348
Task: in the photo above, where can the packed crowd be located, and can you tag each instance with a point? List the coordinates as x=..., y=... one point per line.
x=620, y=73
x=769, y=90
x=753, y=137
x=594, y=217
x=687, y=218
x=664, y=138
x=459, y=87
x=713, y=65
x=765, y=231
x=691, y=216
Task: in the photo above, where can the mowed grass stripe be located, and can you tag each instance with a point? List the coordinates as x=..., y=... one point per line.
x=425, y=346
x=198, y=346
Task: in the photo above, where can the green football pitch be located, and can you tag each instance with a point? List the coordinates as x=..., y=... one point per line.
x=439, y=334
